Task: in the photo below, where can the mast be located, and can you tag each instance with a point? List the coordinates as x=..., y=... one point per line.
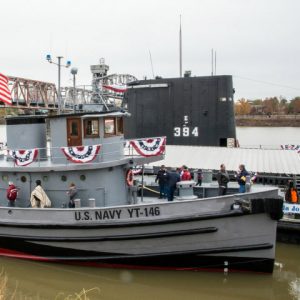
x=180, y=50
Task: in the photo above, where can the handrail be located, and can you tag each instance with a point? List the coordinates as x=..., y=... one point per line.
x=56, y=155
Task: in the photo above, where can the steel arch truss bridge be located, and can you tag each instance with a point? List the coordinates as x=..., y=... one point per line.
x=32, y=93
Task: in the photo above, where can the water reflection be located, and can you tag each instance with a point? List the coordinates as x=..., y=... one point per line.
x=34, y=280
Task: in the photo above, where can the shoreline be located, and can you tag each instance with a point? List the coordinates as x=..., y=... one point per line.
x=267, y=121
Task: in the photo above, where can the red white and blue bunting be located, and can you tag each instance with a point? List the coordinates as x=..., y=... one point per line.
x=23, y=157
x=117, y=88
x=291, y=147
x=81, y=154
x=149, y=147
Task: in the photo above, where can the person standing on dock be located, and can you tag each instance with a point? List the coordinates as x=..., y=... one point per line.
x=241, y=178
x=161, y=177
x=223, y=179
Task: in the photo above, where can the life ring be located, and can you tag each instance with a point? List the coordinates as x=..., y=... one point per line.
x=129, y=177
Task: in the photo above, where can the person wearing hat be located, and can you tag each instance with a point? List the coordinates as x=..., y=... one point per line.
x=11, y=194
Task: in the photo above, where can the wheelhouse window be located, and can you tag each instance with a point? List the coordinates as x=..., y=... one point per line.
x=74, y=129
x=91, y=128
x=120, y=129
x=109, y=126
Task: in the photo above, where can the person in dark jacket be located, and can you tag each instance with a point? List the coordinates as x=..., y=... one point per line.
x=241, y=178
x=199, y=177
x=72, y=193
x=162, y=181
x=223, y=179
x=173, y=178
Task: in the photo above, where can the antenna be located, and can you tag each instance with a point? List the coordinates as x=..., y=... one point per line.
x=212, y=62
x=151, y=64
x=180, y=50
x=215, y=62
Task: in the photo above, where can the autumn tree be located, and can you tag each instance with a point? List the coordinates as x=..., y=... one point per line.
x=271, y=105
x=242, y=107
x=295, y=105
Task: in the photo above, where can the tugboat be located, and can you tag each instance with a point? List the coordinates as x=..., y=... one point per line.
x=75, y=200
x=110, y=226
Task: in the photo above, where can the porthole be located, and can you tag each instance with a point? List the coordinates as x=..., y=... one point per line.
x=23, y=178
x=82, y=177
x=4, y=178
x=45, y=178
x=63, y=178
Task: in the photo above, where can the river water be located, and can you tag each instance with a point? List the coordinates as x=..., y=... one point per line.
x=247, y=136
x=36, y=280
x=268, y=136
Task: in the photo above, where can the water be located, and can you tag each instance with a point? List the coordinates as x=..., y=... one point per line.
x=274, y=136
x=268, y=136
x=35, y=280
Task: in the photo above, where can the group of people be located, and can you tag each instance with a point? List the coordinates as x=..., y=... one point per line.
x=223, y=179
x=38, y=197
x=167, y=180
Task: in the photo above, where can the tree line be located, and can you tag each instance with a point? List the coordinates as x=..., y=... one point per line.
x=268, y=106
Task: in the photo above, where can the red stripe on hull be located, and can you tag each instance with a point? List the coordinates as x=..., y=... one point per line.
x=21, y=255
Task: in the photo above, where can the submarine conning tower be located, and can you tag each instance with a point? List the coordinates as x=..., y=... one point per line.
x=197, y=111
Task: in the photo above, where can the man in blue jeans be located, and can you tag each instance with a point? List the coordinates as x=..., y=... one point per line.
x=173, y=178
x=162, y=181
x=241, y=178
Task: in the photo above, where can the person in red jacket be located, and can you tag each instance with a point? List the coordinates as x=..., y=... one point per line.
x=186, y=175
x=11, y=194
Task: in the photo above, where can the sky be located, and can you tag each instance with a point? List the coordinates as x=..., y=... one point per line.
x=256, y=41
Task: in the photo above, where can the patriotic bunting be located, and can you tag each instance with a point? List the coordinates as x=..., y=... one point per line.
x=5, y=95
x=23, y=157
x=81, y=154
x=116, y=88
x=291, y=147
x=149, y=147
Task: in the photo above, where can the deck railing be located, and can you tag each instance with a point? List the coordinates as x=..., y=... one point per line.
x=80, y=154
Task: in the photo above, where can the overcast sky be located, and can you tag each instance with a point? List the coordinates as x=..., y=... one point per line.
x=257, y=41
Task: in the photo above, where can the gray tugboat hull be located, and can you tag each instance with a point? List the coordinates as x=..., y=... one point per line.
x=225, y=240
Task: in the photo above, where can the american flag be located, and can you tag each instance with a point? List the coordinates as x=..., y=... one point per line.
x=5, y=95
